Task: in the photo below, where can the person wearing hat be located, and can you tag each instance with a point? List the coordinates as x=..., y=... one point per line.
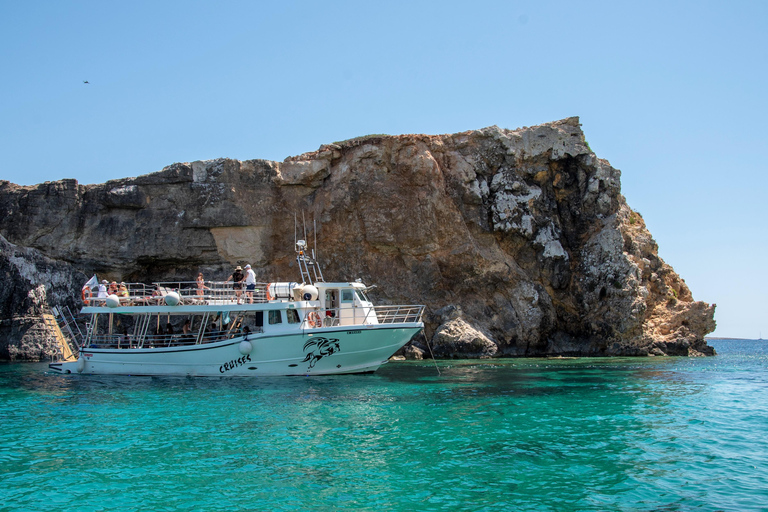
x=250, y=283
x=237, y=282
x=102, y=289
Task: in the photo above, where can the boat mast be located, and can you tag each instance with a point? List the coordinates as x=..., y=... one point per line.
x=307, y=261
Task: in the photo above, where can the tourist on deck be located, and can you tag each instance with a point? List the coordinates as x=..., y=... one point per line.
x=159, y=338
x=157, y=296
x=122, y=292
x=125, y=339
x=201, y=286
x=214, y=332
x=237, y=282
x=250, y=283
x=112, y=288
x=101, y=295
x=186, y=332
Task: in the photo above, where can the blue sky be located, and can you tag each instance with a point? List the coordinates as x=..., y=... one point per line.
x=671, y=93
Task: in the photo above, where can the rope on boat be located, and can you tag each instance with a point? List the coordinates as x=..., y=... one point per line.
x=433, y=356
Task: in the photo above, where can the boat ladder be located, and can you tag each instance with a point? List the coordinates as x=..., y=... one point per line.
x=309, y=268
x=66, y=330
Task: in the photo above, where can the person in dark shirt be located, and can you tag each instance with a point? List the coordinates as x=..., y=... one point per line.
x=237, y=282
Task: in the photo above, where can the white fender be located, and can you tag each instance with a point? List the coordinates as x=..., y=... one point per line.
x=172, y=298
x=113, y=301
x=80, y=364
x=245, y=347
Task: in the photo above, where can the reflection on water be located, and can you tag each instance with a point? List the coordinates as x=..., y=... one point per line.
x=571, y=434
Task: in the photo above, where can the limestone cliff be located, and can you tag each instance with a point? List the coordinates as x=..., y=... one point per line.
x=518, y=241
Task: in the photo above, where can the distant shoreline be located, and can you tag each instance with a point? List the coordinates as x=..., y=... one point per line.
x=707, y=338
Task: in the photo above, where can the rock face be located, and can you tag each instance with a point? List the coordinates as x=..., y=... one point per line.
x=30, y=282
x=518, y=241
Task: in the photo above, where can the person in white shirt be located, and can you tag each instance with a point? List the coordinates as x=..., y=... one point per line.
x=102, y=289
x=250, y=283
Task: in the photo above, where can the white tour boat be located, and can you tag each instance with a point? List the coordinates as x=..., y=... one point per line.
x=281, y=328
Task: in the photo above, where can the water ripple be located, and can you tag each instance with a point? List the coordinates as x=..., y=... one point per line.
x=600, y=434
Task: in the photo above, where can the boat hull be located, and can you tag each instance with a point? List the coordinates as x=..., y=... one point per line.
x=322, y=351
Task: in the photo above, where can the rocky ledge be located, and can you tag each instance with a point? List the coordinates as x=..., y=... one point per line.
x=518, y=241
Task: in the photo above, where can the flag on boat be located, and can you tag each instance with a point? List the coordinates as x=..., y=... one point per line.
x=92, y=283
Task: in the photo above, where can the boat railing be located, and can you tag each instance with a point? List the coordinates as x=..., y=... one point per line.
x=398, y=314
x=213, y=292
x=363, y=315
x=128, y=293
x=125, y=341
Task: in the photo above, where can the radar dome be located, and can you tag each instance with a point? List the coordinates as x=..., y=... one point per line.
x=309, y=292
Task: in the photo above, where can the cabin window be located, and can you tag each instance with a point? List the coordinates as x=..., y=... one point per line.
x=293, y=316
x=347, y=295
x=275, y=317
x=253, y=320
x=361, y=296
x=332, y=299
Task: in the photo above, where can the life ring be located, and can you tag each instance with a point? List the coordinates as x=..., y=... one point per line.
x=269, y=297
x=86, y=294
x=313, y=319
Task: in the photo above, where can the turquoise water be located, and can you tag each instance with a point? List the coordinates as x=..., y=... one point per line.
x=572, y=434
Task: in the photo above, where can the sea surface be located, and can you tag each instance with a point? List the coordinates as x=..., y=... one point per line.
x=670, y=434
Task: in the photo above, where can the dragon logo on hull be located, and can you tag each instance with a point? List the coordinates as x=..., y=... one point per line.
x=319, y=348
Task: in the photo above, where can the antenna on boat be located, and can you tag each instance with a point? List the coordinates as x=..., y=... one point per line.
x=306, y=260
x=314, y=232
